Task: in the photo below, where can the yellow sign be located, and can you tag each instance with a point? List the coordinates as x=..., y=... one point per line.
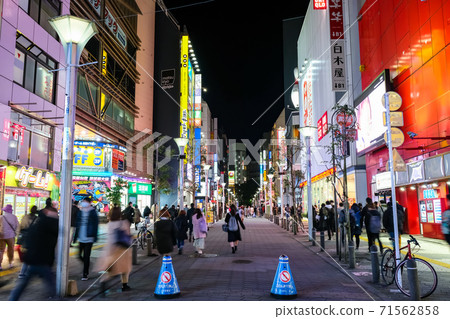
x=396, y=119
x=397, y=137
x=104, y=62
x=395, y=100
x=88, y=156
x=184, y=86
x=209, y=217
x=29, y=177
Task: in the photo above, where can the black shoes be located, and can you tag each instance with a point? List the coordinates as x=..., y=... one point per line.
x=233, y=250
x=125, y=287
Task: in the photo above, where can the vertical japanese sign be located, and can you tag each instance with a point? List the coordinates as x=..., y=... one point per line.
x=307, y=93
x=320, y=4
x=198, y=101
x=322, y=126
x=338, y=73
x=184, y=87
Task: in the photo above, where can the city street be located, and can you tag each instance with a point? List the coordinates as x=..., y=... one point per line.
x=246, y=275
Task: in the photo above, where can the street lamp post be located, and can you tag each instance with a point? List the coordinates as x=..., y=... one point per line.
x=265, y=197
x=74, y=33
x=206, y=167
x=308, y=132
x=181, y=142
x=280, y=174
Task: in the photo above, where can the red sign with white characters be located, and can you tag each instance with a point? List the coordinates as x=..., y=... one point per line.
x=345, y=118
x=320, y=4
x=322, y=126
x=336, y=19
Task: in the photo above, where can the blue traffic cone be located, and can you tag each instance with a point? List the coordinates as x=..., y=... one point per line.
x=167, y=286
x=283, y=284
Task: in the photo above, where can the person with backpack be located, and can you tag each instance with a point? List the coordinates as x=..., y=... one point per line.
x=234, y=234
x=388, y=220
x=181, y=222
x=8, y=233
x=27, y=221
x=165, y=233
x=372, y=221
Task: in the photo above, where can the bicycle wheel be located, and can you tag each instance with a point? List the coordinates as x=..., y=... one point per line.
x=141, y=241
x=388, y=266
x=425, y=272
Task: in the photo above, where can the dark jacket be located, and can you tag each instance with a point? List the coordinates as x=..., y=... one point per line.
x=388, y=218
x=165, y=236
x=181, y=222
x=41, y=241
x=234, y=235
x=370, y=212
x=147, y=211
x=73, y=216
x=92, y=225
x=189, y=214
x=128, y=213
x=173, y=212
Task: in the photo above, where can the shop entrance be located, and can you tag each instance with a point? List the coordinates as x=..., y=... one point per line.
x=22, y=200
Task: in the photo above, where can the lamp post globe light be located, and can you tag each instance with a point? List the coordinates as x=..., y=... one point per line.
x=74, y=33
x=308, y=132
x=181, y=143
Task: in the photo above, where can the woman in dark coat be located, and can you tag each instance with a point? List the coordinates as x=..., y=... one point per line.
x=234, y=236
x=181, y=222
x=165, y=233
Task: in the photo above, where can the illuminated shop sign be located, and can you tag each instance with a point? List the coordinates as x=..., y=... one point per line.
x=320, y=4
x=184, y=87
x=140, y=188
x=88, y=156
x=29, y=177
x=307, y=92
x=198, y=101
x=99, y=144
x=114, y=27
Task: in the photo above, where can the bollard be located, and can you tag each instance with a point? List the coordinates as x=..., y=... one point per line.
x=375, y=264
x=351, y=252
x=287, y=224
x=134, y=252
x=313, y=235
x=149, y=246
x=283, y=223
x=413, y=280
x=322, y=240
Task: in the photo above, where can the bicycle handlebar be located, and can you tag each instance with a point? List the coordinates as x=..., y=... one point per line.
x=413, y=240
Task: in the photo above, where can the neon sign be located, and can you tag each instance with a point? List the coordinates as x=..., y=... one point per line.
x=25, y=176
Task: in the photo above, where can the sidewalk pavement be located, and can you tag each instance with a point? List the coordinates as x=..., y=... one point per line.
x=435, y=251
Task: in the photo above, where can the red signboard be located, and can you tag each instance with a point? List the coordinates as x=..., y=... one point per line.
x=118, y=159
x=336, y=20
x=344, y=118
x=322, y=126
x=320, y=4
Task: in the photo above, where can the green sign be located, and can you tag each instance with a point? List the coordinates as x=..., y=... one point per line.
x=139, y=188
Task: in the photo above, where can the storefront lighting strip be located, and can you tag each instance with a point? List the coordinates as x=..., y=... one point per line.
x=96, y=174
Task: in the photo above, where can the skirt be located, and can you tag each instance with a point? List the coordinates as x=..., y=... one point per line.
x=234, y=236
x=199, y=243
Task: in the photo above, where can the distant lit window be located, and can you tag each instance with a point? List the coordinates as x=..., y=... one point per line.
x=41, y=11
x=32, y=69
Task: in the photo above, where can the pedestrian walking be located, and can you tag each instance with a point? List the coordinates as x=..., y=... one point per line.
x=8, y=230
x=189, y=214
x=181, y=222
x=355, y=223
x=234, y=234
x=73, y=221
x=86, y=233
x=147, y=212
x=388, y=220
x=40, y=253
x=128, y=213
x=200, y=229
x=173, y=212
x=446, y=221
x=27, y=221
x=165, y=233
x=372, y=221
x=116, y=259
x=329, y=219
x=137, y=216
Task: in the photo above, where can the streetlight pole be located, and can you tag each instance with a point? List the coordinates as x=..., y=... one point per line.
x=181, y=142
x=206, y=168
x=270, y=176
x=74, y=33
x=223, y=199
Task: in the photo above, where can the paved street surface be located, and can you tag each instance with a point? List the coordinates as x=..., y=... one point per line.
x=246, y=275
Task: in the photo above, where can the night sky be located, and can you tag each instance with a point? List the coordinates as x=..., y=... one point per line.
x=239, y=47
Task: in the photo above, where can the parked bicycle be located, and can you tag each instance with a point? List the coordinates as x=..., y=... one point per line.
x=144, y=234
x=426, y=274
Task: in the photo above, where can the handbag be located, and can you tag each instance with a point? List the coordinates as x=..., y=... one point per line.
x=202, y=225
x=122, y=239
x=225, y=228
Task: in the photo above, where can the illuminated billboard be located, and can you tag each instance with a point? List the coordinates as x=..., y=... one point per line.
x=231, y=178
x=184, y=86
x=369, y=113
x=198, y=101
x=307, y=99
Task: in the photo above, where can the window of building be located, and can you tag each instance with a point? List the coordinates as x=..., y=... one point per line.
x=41, y=11
x=29, y=141
x=32, y=69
